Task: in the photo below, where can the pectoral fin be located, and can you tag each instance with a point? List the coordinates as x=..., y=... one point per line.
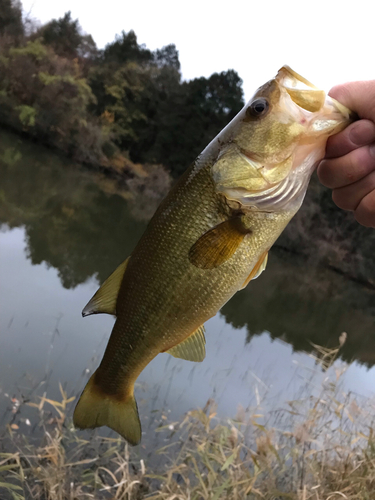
x=219, y=244
x=257, y=270
x=192, y=348
x=105, y=299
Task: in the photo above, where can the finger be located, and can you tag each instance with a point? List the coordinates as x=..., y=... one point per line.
x=360, y=133
x=365, y=213
x=339, y=172
x=357, y=96
x=349, y=197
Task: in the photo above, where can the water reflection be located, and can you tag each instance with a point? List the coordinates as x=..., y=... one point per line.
x=81, y=225
x=71, y=223
x=305, y=306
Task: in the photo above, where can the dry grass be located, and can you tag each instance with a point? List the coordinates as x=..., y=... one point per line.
x=318, y=448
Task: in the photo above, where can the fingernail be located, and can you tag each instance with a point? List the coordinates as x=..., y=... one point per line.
x=362, y=133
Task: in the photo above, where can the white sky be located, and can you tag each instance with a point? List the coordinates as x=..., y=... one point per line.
x=325, y=41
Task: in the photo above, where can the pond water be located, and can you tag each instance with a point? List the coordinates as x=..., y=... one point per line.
x=64, y=230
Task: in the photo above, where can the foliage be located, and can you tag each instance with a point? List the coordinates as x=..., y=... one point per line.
x=156, y=117
x=27, y=115
x=125, y=49
x=123, y=101
x=65, y=37
x=188, y=118
x=46, y=96
x=11, y=26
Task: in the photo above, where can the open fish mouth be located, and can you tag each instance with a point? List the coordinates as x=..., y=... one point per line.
x=313, y=100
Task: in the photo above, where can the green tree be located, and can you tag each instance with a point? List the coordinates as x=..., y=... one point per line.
x=119, y=92
x=11, y=25
x=167, y=57
x=47, y=97
x=67, y=39
x=125, y=49
x=92, y=104
x=129, y=84
x=63, y=35
x=184, y=118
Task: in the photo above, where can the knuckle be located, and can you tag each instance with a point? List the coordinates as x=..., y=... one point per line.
x=352, y=169
x=338, y=144
x=358, y=164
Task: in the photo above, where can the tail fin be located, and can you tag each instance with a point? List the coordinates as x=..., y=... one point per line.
x=95, y=409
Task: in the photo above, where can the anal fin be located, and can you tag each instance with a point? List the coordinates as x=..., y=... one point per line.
x=105, y=299
x=257, y=270
x=193, y=348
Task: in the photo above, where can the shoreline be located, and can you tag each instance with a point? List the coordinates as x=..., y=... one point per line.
x=149, y=184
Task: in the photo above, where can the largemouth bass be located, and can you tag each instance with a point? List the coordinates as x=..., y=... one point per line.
x=209, y=237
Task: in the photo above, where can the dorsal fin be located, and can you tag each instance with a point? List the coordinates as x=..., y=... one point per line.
x=105, y=299
x=192, y=348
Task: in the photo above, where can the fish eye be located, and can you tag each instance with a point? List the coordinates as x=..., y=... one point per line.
x=258, y=108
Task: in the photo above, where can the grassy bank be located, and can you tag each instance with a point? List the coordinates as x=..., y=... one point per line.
x=319, y=447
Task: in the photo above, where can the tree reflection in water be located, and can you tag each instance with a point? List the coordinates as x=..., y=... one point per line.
x=84, y=226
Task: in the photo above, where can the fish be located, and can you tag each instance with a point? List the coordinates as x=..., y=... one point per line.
x=207, y=240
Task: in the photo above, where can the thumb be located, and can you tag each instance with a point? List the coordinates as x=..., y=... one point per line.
x=357, y=96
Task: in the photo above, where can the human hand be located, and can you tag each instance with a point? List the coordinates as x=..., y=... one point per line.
x=349, y=164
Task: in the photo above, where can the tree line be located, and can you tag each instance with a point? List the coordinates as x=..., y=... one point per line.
x=105, y=106
x=126, y=105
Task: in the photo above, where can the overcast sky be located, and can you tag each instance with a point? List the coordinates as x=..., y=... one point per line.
x=324, y=41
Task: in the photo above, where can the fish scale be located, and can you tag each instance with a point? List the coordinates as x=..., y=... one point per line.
x=208, y=238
